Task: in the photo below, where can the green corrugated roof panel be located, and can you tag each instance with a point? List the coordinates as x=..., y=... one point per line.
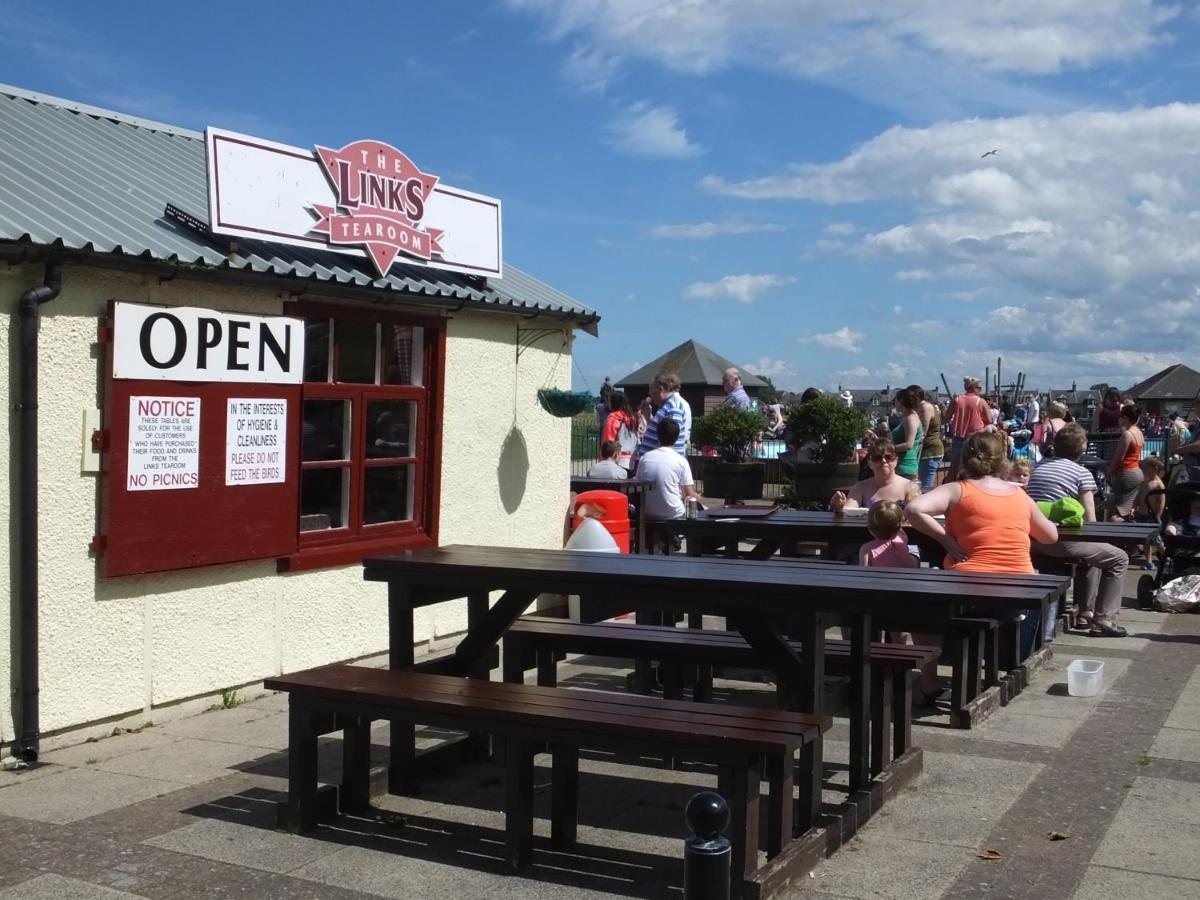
x=693, y=363
x=88, y=179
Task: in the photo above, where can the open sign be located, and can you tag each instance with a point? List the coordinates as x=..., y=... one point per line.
x=191, y=344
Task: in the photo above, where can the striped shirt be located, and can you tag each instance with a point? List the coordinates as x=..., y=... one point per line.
x=1054, y=479
x=674, y=407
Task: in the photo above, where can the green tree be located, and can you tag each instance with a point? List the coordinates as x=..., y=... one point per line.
x=768, y=394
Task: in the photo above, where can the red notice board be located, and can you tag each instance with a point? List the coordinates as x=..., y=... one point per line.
x=160, y=528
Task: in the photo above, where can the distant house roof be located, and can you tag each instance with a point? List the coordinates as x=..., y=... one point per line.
x=694, y=363
x=89, y=183
x=1177, y=382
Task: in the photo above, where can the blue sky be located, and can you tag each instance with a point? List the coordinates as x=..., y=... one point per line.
x=798, y=185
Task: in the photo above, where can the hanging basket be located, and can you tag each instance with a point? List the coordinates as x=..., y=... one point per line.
x=564, y=404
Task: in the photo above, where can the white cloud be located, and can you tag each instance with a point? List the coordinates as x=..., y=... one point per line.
x=780, y=371
x=820, y=37
x=742, y=288
x=897, y=310
x=856, y=374
x=589, y=69
x=845, y=338
x=654, y=131
x=705, y=230
x=840, y=229
x=1082, y=235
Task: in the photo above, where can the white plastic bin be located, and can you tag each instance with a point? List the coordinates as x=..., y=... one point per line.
x=1084, y=677
x=589, y=537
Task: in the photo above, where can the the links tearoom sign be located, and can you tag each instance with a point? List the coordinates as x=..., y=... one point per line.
x=366, y=199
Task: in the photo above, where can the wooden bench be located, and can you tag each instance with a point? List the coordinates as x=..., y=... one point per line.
x=534, y=641
x=746, y=744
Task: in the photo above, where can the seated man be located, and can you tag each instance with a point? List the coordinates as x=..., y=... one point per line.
x=1098, y=593
x=608, y=467
x=671, y=476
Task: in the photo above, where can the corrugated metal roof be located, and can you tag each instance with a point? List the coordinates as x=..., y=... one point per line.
x=693, y=363
x=88, y=179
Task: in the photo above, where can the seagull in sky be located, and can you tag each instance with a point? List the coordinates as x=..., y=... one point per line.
x=990, y=153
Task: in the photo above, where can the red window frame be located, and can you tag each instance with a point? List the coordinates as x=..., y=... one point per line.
x=355, y=539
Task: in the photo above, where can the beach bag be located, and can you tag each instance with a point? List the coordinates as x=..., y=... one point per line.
x=1180, y=595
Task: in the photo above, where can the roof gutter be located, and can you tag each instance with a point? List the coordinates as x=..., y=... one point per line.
x=25, y=745
x=17, y=252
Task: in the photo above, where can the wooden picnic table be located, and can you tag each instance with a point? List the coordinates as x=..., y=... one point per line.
x=786, y=599
x=783, y=529
x=632, y=488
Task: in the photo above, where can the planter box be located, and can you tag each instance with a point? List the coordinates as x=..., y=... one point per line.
x=732, y=481
x=818, y=481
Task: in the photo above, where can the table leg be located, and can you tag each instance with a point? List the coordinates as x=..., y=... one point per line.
x=477, y=606
x=474, y=648
x=403, y=749
x=860, y=701
x=767, y=547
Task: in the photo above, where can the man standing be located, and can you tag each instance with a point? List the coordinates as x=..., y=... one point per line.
x=1098, y=593
x=671, y=476
x=663, y=404
x=1033, y=411
x=735, y=394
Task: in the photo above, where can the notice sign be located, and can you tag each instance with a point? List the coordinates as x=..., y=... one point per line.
x=255, y=441
x=164, y=443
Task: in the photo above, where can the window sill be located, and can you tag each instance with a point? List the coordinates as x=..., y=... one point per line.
x=349, y=553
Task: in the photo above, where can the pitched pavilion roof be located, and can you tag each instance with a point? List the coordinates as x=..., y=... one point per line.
x=77, y=178
x=694, y=363
x=1177, y=382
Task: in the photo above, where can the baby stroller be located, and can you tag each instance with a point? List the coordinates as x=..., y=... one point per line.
x=1180, y=540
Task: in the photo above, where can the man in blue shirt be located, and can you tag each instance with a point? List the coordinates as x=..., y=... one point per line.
x=663, y=403
x=735, y=394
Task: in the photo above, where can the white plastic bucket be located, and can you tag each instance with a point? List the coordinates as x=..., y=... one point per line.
x=1084, y=677
x=589, y=537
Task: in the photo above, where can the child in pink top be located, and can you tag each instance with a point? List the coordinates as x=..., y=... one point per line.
x=890, y=547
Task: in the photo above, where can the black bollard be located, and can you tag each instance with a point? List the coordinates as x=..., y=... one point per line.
x=706, y=854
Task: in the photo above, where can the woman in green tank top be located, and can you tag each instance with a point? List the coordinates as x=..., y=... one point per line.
x=908, y=435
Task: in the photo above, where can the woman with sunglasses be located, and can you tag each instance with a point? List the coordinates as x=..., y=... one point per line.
x=884, y=483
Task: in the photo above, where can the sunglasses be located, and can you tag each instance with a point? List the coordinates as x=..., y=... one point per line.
x=881, y=457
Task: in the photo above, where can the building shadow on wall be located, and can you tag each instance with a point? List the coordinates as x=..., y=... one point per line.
x=512, y=469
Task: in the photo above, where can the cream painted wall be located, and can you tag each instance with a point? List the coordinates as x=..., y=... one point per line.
x=110, y=647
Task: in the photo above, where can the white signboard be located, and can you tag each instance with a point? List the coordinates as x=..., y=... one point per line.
x=255, y=440
x=164, y=443
x=186, y=343
x=365, y=199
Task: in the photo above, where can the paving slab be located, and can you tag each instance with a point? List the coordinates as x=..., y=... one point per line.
x=1156, y=830
x=1104, y=883
x=998, y=779
x=10, y=777
x=1186, y=712
x=187, y=760
x=1047, y=695
x=76, y=794
x=215, y=721
x=91, y=752
x=886, y=867
x=1137, y=640
x=256, y=848
x=58, y=887
x=1177, y=743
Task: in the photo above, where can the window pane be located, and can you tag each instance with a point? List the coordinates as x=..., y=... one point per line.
x=402, y=355
x=356, y=352
x=387, y=494
x=324, y=498
x=390, y=429
x=326, y=430
x=316, y=350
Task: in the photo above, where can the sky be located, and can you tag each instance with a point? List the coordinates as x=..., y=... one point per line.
x=850, y=193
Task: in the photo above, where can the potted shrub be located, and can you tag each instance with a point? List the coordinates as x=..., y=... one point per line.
x=820, y=455
x=734, y=473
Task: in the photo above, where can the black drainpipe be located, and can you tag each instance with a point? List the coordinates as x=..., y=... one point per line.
x=25, y=746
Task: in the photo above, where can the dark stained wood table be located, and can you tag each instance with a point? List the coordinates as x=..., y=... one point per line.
x=632, y=488
x=765, y=603
x=722, y=527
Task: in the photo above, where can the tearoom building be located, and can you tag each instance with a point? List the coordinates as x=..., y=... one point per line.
x=234, y=369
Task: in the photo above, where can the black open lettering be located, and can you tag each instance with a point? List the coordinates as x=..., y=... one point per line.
x=210, y=336
x=180, y=341
x=266, y=341
x=235, y=345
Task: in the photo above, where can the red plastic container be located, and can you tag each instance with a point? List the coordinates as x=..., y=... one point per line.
x=609, y=508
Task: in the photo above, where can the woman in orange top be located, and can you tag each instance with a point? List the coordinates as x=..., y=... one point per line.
x=621, y=426
x=1124, y=469
x=989, y=521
